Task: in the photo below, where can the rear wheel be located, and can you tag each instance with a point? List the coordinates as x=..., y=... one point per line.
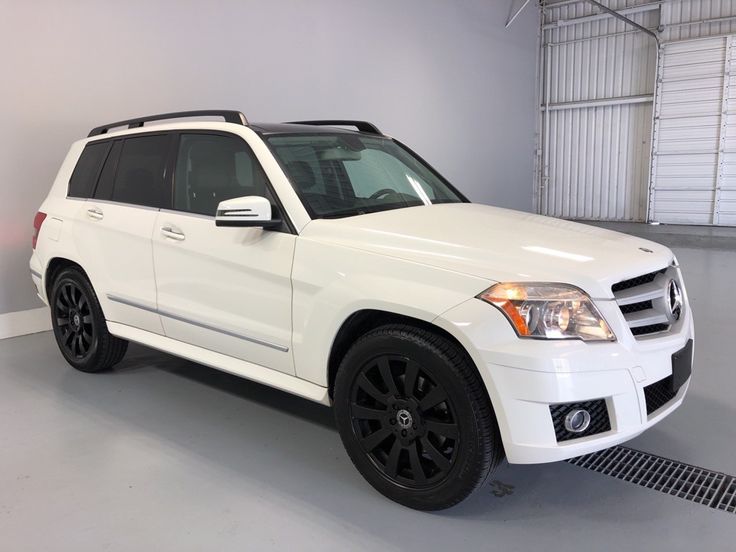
x=79, y=325
x=415, y=418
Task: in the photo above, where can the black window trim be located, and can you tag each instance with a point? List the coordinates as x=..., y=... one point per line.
x=289, y=226
x=114, y=172
x=171, y=168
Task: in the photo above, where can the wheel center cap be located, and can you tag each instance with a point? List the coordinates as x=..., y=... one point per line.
x=74, y=319
x=404, y=419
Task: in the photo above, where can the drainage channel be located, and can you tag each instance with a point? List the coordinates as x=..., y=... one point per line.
x=709, y=488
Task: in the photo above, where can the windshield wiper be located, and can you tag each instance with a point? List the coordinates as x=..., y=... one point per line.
x=343, y=213
x=354, y=211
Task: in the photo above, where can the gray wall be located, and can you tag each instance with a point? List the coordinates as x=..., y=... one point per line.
x=444, y=77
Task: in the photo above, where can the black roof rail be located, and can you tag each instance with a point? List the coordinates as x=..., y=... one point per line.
x=362, y=126
x=230, y=117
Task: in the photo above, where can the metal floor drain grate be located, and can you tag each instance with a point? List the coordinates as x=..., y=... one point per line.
x=727, y=503
x=709, y=488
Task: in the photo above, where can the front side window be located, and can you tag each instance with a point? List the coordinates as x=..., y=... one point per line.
x=338, y=175
x=139, y=177
x=211, y=168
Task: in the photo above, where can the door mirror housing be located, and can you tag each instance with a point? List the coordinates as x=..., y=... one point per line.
x=248, y=211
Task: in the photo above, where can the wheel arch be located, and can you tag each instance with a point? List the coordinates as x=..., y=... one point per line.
x=365, y=320
x=56, y=265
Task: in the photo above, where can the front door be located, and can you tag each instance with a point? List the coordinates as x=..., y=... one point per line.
x=223, y=289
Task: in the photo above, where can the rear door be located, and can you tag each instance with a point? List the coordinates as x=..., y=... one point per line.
x=113, y=228
x=225, y=289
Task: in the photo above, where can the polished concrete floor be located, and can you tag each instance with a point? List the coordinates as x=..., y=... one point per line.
x=162, y=454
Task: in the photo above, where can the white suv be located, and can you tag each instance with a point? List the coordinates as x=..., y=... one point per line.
x=339, y=266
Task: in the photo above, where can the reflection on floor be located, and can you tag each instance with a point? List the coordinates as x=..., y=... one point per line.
x=166, y=454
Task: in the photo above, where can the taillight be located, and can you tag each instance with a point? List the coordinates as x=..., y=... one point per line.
x=37, y=222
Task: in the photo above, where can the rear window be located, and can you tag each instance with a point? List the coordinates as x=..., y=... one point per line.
x=139, y=178
x=84, y=177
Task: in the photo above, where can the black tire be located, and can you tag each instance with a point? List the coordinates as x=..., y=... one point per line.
x=79, y=324
x=415, y=417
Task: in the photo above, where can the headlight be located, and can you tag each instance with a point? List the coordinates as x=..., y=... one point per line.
x=549, y=311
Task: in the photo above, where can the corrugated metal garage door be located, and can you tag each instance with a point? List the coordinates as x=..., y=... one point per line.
x=694, y=164
x=597, y=88
x=596, y=96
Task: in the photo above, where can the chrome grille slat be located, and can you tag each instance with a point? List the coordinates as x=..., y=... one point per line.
x=638, y=294
x=643, y=301
x=644, y=318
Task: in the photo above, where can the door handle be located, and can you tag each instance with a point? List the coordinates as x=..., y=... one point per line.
x=95, y=213
x=173, y=233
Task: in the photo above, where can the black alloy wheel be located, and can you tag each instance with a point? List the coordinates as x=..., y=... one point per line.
x=404, y=421
x=74, y=318
x=79, y=324
x=415, y=417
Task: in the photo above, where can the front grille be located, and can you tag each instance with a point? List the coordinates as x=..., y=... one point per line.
x=652, y=328
x=635, y=282
x=644, y=301
x=659, y=394
x=599, y=420
x=636, y=307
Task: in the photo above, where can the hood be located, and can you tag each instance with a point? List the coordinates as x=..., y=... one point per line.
x=498, y=244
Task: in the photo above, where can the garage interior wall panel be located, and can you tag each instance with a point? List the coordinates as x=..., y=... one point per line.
x=599, y=79
x=693, y=178
x=596, y=112
x=686, y=19
x=688, y=131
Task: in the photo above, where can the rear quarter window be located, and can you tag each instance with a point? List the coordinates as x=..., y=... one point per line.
x=107, y=176
x=84, y=177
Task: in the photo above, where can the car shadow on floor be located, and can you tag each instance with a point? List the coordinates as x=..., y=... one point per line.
x=260, y=434
x=140, y=357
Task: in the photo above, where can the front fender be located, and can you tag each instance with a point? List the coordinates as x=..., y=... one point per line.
x=332, y=282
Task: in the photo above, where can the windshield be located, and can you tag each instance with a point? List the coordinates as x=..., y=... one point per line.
x=342, y=175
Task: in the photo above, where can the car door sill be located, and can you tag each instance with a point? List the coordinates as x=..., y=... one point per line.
x=225, y=363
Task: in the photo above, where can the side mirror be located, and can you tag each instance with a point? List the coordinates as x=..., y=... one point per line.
x=248, y=211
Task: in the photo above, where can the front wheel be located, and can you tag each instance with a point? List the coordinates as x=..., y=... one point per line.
x=415, y=418
x=79, y=325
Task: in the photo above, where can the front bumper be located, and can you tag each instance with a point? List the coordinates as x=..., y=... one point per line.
x=525, y=377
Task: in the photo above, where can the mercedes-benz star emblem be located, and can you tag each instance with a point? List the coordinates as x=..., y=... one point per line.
x=674, y=300
x=403, y=417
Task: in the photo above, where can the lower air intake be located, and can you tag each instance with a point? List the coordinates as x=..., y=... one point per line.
x=599, y=421
x=659, y=394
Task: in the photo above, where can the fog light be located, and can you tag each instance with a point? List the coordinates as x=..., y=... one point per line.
x=577, y=420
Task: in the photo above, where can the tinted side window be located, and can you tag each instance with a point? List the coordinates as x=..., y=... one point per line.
x=139, y=178
x=211, y=168
x=84, y=177
x=107, y=176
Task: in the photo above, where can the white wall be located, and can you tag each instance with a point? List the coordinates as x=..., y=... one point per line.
x=444, y=77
